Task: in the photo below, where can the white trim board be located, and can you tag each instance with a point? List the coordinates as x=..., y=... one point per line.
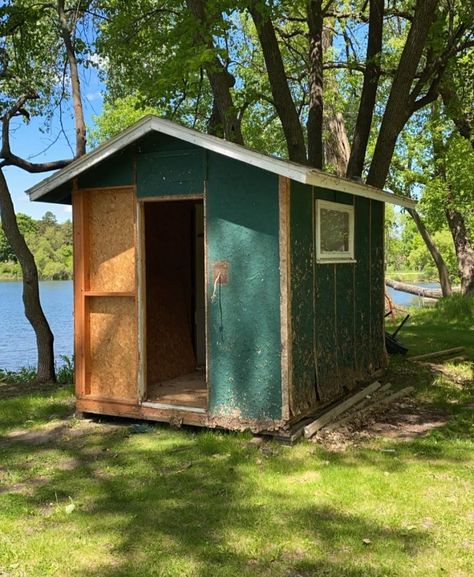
x=148, y=124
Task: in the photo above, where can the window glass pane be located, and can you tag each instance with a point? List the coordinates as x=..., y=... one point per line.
x=334, y=230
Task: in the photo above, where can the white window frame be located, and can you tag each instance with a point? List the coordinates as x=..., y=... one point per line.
x=334, y=257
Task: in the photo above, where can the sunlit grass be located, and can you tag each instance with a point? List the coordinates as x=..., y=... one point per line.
x=87, y=499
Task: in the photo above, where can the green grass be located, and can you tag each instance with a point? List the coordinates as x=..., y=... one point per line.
x=82, y=499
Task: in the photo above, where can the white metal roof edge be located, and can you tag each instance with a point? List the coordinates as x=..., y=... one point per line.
x=286, y=168
x=102, y=152
x=324, y=180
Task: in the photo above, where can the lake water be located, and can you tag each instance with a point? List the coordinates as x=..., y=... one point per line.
x=17, y=339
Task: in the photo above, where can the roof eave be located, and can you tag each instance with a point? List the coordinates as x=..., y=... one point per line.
x=317, y=178
x=94, y=157
x=294, y=171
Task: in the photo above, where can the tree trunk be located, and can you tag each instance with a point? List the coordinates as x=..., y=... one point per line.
x=414, y=290
x=220, y=79
x=464, y=250
x=75, y=83
x=33, y=311
x=282, y=98
x=336, y=145
x=399, y=104
x=314, y=123
x=436, y=255
x=369, y=90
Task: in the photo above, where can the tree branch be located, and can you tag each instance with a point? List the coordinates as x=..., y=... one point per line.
x=11, y=159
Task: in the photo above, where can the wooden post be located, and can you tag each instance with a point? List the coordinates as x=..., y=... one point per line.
x=285, y=295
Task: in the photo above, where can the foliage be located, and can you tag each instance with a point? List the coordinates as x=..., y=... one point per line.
x=117, y=116
x=50, y=243
x=406, y=251
x=455, y=310
x=65, y=371
x=84, y=498
x=27, y=375
x=22, y=376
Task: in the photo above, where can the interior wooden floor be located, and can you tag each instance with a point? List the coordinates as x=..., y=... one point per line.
x=187, y=391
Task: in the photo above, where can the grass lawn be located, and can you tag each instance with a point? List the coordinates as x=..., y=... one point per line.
x=81, y=498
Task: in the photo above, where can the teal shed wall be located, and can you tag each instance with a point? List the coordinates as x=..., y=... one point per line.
x=336, y=309
x=242, y=229
x=244, y=320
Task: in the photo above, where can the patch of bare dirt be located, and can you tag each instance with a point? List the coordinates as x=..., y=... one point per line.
x=404, y=420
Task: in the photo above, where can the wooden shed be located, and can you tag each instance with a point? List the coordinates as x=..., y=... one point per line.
x=217, y=286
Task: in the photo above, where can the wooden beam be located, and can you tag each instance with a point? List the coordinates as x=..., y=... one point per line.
x=327, y=417
x=80, y=234
x=285, y=294
x=434, y=355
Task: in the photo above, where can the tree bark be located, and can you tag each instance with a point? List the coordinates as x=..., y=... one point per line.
x=336, y=145
x=31, y=300
x=282, y=98
x=314, y=123
x=220, y=79
x=464, y=250
x=414, y=290
x=399, y=104
x=369, y=90
x=75, y=82
x=436, y=255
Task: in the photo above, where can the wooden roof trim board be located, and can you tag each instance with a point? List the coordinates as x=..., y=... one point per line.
x=292, y=170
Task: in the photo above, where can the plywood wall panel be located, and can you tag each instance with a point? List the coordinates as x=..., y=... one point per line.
x=111, y=234
x=112, y=347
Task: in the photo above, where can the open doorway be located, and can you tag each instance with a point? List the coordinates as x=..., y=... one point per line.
x=175, y=303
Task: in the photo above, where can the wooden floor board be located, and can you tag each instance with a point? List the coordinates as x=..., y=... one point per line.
x=189, y=391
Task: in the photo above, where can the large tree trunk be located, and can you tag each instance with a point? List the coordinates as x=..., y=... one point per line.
x=436, y=255
x=75, y=83
x=369, y=90
x=400, y=102
x=282, y=99
x=314, y=123
x=464, y=250
x=220, y=79
x=336, y=145
x=33, y=311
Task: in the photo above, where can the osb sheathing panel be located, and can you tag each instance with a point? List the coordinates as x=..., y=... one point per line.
x=112, y=347
x=169, y=291
x=111, y=234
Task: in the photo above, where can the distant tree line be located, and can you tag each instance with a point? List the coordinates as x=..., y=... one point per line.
x=49, y=241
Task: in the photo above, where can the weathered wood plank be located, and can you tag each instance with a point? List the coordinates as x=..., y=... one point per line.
x=443, y=353
x=319, y=423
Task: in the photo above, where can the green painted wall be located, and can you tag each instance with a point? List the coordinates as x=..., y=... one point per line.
x=244, y=317
x=115, y=171
x=345, y=342
x=303, y=392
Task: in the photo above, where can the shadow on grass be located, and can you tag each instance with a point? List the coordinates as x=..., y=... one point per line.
x=176, y=503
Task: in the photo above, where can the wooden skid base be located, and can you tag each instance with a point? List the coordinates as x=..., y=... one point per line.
x=176, y=416
x=136, y=411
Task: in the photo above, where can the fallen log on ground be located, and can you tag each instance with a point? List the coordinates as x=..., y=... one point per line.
x=432, y=293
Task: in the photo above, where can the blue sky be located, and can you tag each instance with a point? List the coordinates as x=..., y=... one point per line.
x=38, y=143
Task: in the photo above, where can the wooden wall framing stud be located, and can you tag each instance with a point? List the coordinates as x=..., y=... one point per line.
x=284, y=190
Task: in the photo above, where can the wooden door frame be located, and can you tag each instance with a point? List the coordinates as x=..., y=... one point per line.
x=141, y=291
